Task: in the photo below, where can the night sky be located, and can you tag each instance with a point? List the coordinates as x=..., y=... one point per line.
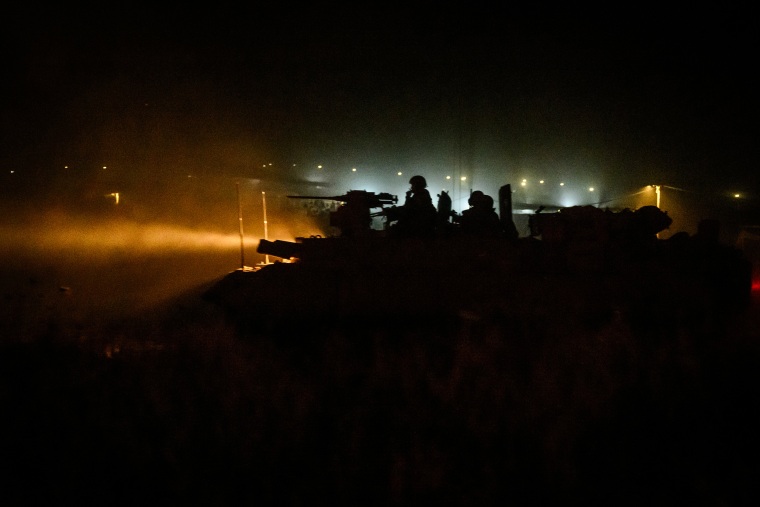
x=614, y=99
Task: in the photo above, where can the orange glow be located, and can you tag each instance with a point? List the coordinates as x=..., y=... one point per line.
x=64, y=233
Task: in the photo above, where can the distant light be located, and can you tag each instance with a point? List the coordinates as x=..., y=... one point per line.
x=264, y=165
x=104, y=168
x=590, y=189
x=65, y=167
x=189, y=175
x=737, y=195
x=353, y=169
x=541, y=182
x=463, y=178
x=319, y=167
x=12, y=171
x=562, y=184
x=294, y=165
x=270, y=163
x=523, y=183
x=400, y=173
x=448, y=177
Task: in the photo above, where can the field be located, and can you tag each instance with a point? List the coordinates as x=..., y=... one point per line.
x=121, y=385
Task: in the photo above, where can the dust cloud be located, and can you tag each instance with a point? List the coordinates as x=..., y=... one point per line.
x=86, y=269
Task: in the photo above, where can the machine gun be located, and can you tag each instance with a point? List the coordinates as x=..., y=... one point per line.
x=368, y=199
x=353, y=216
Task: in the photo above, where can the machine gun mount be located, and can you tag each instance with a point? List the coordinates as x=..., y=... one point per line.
x=353, y=217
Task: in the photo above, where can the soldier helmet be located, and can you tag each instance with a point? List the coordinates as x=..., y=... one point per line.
x=475, y=197
x=418, y=181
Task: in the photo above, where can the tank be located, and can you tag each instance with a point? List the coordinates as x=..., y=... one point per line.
x=582, y=260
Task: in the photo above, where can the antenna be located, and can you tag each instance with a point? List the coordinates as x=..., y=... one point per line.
x=266, y=235
x=240, y=224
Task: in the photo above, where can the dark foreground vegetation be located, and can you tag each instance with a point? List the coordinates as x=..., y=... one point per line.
x=531, y=408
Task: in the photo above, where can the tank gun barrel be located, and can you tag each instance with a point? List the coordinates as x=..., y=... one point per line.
x=284, y=249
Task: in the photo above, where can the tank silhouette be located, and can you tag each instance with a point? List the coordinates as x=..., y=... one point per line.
x=582, y=260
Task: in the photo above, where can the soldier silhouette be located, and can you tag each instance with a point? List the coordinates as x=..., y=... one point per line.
x=417, y=217
x=480, y=219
